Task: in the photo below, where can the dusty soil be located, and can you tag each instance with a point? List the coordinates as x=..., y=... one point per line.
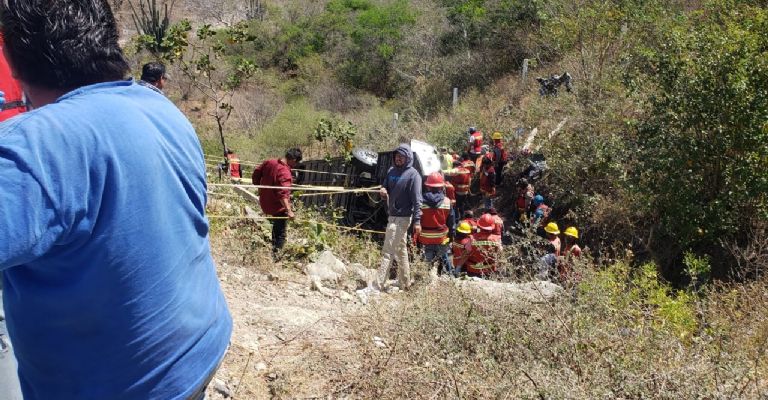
x=287, y=338
x=290, y=341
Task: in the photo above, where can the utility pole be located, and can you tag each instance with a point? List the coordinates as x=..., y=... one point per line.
x=525, y=71
x=455, y=97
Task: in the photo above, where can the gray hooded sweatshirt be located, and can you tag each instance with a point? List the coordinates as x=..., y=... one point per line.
x=404, y=188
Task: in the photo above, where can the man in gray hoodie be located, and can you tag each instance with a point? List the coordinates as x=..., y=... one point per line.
x=402, y=189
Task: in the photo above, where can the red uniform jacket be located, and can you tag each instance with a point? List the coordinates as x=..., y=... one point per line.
x=461, y=250
x=434, y=228
x=485, y=253
x=234, y=166
x=461, y=181
x=476, y=142
x=498, y=154
x=273, y=173
x=470, y=166
x=450, y=192
x=488, y=181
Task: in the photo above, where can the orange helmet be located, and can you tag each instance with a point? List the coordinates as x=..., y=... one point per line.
x=435, y=180
x=486, y=222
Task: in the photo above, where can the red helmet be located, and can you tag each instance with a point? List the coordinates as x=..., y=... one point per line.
x=435, y=180
x=486, y=222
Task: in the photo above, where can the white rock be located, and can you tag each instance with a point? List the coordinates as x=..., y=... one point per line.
x=366, y=294
x=326, y=268
x=365, y=275
x=532, y=292
x=221, y=387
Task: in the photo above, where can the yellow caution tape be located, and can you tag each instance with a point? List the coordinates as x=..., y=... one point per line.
x=297, y=220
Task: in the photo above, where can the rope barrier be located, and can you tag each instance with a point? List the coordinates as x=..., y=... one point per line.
x=250, y=164
x=320, y=172
x=224, y=195
x=330, y=189
x=297, y=220
x=221, y=160
x=364, y=190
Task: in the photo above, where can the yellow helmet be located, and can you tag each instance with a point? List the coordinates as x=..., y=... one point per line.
x=572, y=232
x=497, y=136
x=552, y=228
x=464, y=227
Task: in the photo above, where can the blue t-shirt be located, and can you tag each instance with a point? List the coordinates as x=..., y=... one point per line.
x=109, y=286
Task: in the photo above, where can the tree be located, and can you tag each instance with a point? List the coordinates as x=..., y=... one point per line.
x=376, y=33
x=203, y=61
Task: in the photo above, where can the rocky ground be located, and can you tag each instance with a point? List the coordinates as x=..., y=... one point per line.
x=292, y=340
x=278, y=321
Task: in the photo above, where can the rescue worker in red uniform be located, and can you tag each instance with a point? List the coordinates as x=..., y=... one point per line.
x=469, y=217
x=469, y=164
x=523, y=200
x=475, y=143
x=436, y=222
x=499, y=156
x=498, y=222
x=461, y=178
x=461, y=247
x=552, y=232
x=488, y=182
x=234, y=165
x=486, y=249
x=571, y=250
x=450, y=192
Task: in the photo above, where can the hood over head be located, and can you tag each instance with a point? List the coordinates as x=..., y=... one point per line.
x=405, y=150
x=433, y=199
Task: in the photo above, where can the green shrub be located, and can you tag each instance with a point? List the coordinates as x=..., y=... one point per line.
x=293, y=126
x=703, y=145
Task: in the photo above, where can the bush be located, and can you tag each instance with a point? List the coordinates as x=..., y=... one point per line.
x=292, y=127
x=622, y=335
x=704, y=146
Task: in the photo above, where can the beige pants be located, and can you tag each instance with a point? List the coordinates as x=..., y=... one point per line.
x=396, y=248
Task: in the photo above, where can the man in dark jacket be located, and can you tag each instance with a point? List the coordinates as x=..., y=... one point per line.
x=274, y=202
x=402, y=189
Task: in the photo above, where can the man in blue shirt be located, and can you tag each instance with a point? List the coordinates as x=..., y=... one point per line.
x=109, y=287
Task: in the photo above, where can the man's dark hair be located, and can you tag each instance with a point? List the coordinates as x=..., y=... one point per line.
x=152, y=72
x=293, y=154
x=62, y=44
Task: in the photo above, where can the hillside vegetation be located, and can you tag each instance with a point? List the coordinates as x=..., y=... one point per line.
x=662, y=163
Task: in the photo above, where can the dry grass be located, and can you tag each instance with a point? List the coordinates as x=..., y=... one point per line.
x=618, y=333
x=443, y=344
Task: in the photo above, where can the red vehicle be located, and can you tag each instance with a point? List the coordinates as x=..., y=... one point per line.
x=14, y=96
